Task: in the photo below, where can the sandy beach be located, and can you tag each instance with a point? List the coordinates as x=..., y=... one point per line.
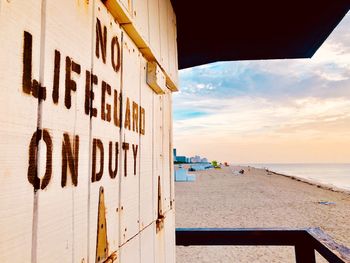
x=219, y=198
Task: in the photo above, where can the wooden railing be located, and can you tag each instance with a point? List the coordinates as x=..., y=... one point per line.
x=305, y=241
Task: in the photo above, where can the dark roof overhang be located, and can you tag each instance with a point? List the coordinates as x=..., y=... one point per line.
x=209, y=31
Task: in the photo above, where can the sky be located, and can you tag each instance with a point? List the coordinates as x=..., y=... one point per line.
x=268, y=111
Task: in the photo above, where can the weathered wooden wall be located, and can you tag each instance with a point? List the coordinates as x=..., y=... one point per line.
x=86, y=144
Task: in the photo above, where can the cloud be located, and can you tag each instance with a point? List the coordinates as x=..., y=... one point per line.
x=327, y=74
x=251, y=116
x=250, y=104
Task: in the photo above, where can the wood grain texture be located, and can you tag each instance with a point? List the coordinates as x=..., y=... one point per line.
x=147, y=241
x=140, y=14
x=154, y=27
x=105, y=129
x=165, y=240
x=160, y=246
x=18, y=118
x=152, y=39
x=147, y=190
x=129, y=190
x=164, y=45
x=66, y=81
x=62, y=207
x=169, y=234
x=167, y=151
x=172, y=44
x=171, y=157
x=156, y=78
x=130, y=251
x=157, y=152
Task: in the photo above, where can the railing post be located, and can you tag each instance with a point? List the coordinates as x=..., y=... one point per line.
x=304, y=254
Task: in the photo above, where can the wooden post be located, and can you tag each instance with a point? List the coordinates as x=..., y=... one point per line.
x=304, y=254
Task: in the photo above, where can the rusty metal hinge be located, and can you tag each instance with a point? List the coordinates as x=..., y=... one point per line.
x=160, y=216
x=101, y=242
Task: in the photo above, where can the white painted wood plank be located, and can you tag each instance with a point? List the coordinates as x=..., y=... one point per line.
x=130, y=251
x=169, y=233
x=172, y=172
x=105, y=128
x=147, y=208
x=172, y=44
x=157, y=151
x=18, y=123
x=176, y=78
x=154, y=27
x=160, y=246
x=167, y=151
x=165, y=240
x=129, y=188
x=62, y=207
x=140, y=14
x=147, y=249
x=164, y=46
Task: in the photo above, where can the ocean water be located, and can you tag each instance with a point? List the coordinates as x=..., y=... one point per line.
x=337, y=175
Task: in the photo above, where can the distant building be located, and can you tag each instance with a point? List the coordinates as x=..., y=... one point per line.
x=174, y=153
x=196, y=159
x=184, y=159
x=181, y=159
